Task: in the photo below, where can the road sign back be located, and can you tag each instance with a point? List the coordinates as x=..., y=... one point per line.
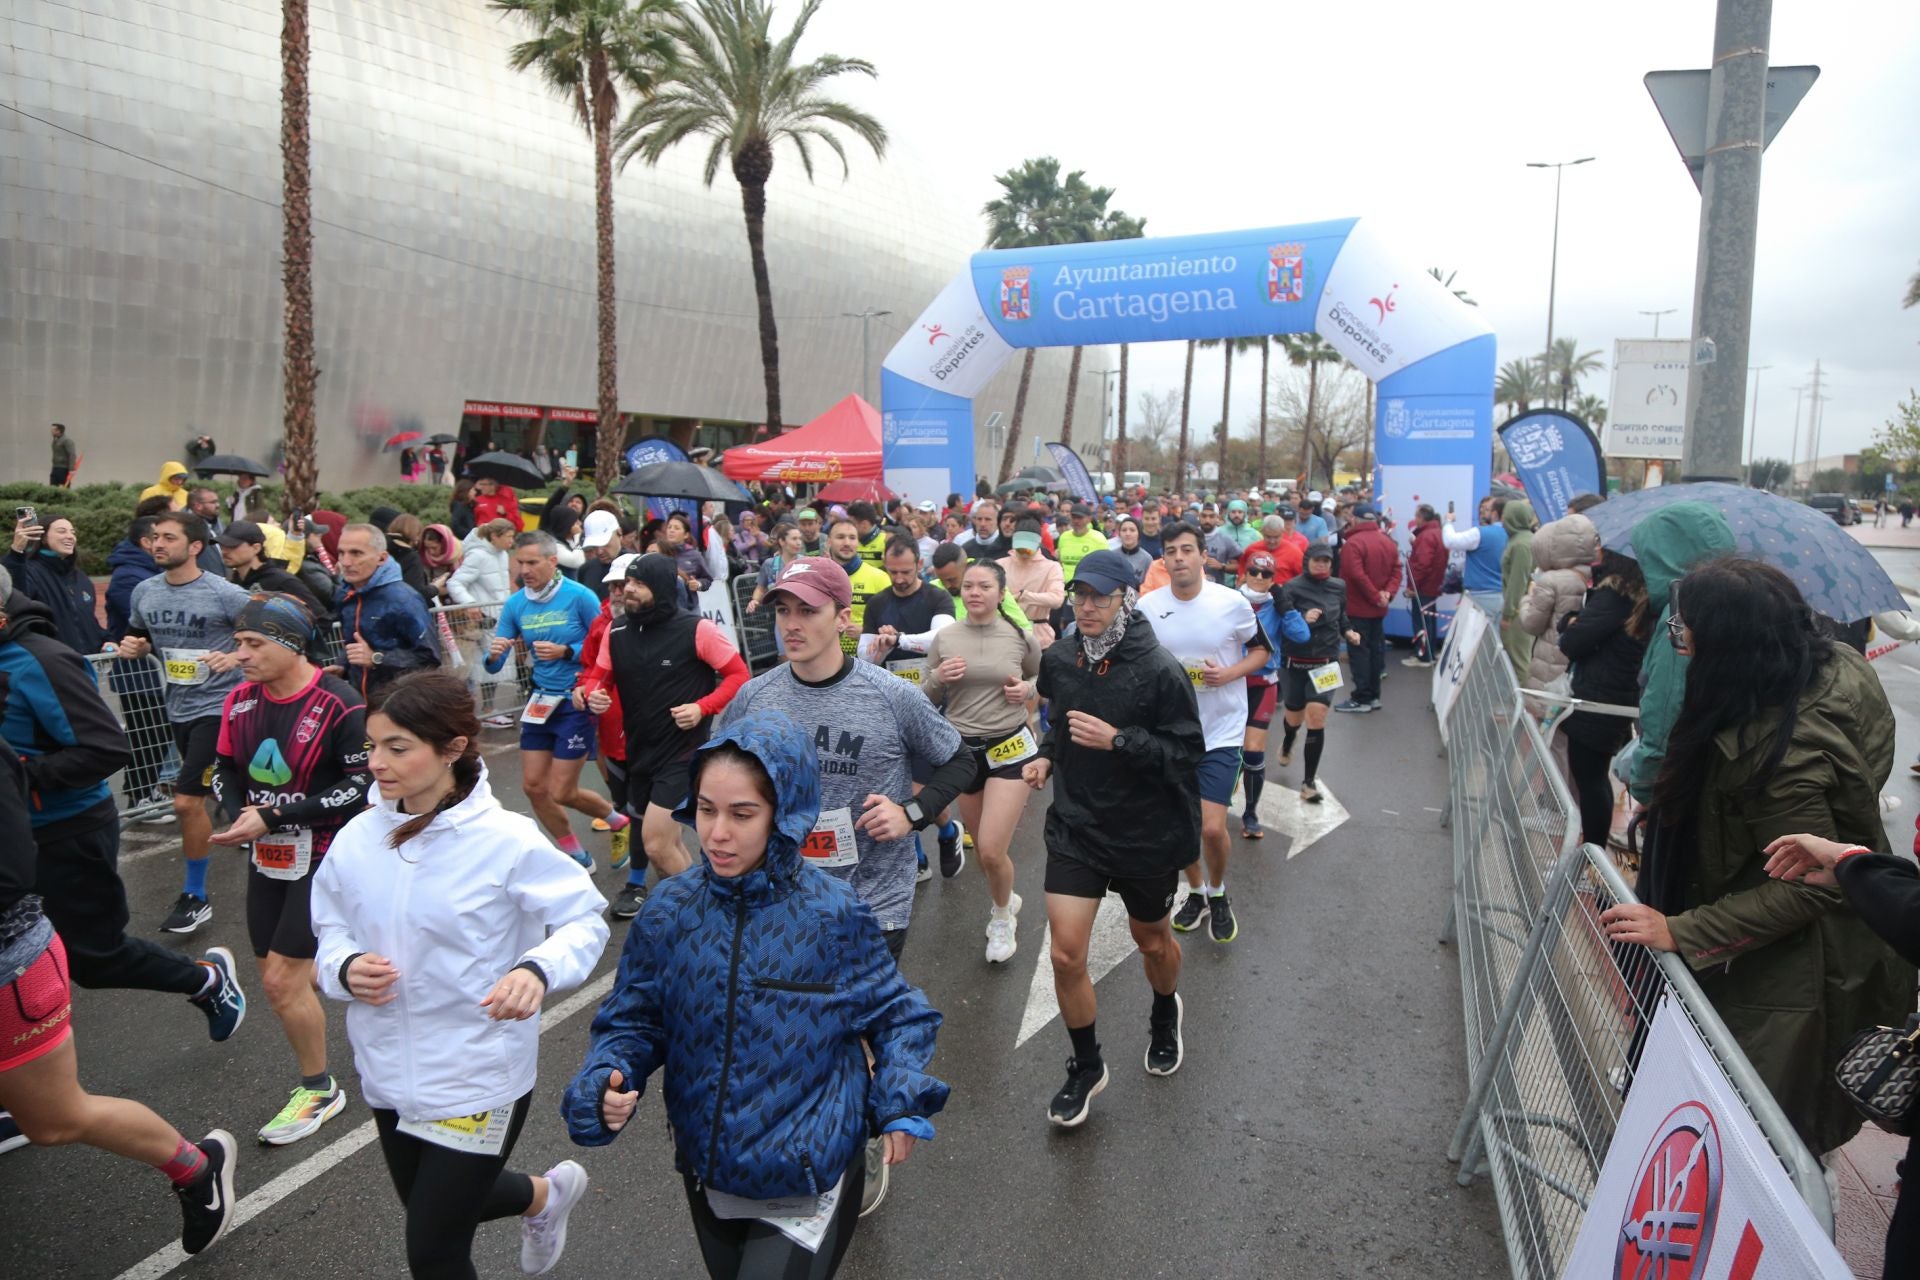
x=1681, y=97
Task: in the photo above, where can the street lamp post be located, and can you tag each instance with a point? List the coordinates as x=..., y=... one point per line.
x=1553, y=270
x=1754, y=425
x=866, y=319
x=1656, y=317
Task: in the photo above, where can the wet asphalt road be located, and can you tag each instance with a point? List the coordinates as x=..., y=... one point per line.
x=1304, y=1136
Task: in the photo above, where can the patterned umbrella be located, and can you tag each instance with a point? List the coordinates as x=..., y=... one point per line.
x=1837, y=575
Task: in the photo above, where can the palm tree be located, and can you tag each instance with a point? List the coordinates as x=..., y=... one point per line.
x=1567, y=364
x=1591, y=409
x=1520, y=383
x=734, y=82
x=296, y=212
x=1309, y=351
x=587, y=51
x=1446, y=282
x=1186, y=400
x=1036, y=207
x=1232, y=347
x=1913, y=292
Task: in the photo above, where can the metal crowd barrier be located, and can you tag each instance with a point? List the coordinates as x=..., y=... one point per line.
x=1555, y=1014
x=135, y=692
x=757, y=645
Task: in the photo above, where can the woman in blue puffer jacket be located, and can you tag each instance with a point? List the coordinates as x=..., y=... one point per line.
x=752, y=981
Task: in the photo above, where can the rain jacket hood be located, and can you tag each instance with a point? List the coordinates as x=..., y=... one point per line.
x=786, y=752
x=1672, y=540
x=386, y=571
x=1518, y=518
x=662, y=577
x=161, y=487
x=1571, y=542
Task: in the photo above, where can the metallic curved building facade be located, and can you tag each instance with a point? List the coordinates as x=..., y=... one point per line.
x=140, y=298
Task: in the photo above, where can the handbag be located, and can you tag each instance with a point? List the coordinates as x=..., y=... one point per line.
x=1879, y=1071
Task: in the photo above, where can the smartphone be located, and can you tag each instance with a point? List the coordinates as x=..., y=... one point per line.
x=26, y=515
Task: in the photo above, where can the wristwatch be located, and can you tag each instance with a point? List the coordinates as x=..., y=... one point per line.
x=377, y=658
x=915, y=814
x=1121, y=741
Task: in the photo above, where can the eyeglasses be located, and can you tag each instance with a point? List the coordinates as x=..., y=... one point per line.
x=1259, y=573
x=1676, y=628
x=1094, y=600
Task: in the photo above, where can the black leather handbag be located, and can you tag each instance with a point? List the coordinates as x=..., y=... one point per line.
x=1880, y=1072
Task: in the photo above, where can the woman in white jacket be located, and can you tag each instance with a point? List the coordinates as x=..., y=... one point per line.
x=446, y=920
x=484, y=575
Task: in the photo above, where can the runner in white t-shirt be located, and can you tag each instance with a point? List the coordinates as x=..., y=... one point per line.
x=1211, y=630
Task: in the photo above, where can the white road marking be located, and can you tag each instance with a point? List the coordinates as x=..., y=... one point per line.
x=1111, y=943
x=1282, y=808
x=262, y=1198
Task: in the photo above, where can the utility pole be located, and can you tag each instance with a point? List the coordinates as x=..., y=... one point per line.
x=1656, y=317
x=1754, y=427
x=1729, y=225
x=866, y=319
x=1553, y=268
x=1793, y=450
x=1815, y=401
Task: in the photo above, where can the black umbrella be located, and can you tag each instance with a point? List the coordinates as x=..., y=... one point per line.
x=507, y=468
x=1039, y=472
x=442, y=438
x=230, y=464
x=681, y=480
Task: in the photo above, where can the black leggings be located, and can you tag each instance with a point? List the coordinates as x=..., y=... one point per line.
x=1592, y=789
x=448, y=1194
x=1903, y=1233
x=746, y=1249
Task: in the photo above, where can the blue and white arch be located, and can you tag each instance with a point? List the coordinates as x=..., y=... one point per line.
x=1431, y=356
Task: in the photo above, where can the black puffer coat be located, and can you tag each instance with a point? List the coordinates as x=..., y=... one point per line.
x=1329, y=596
x=1133, y=811
x=1606, y=666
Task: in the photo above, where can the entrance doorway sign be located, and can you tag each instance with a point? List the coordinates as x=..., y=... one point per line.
x=1431, y=355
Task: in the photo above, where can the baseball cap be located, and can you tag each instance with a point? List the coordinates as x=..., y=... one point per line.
x=1236, y=505
x=1286, y=512
x=807, y=513
x=1105, y=571
x=1264, y=564
x=1365, y=511
x=817, y=581
x=1319, y=551
x=926, y=505
x=602, y=527
x=1314, y=496
x=1329, y=506
x=1081, y=509
x=621, y=563
x=1026, y=541
x=241, y=532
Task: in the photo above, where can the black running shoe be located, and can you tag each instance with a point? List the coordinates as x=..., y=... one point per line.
x=189, y=913
x=226, y=1004
x=1165, y=1049
x=206, y=1206
x=1194, y=906
x=953, y=855
x=631, y=898
x=1353, y=706
x=1069, y=1106
x=1220, y=921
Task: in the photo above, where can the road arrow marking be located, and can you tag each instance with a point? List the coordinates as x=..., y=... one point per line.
x=1111, y=943
x=1282, y=809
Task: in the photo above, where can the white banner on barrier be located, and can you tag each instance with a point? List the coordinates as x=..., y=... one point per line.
x=1690, y=1189
x=716, y=602
x=1463, y=637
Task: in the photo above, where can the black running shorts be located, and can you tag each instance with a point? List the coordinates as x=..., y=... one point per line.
x=279, y=915
x=1148, y=899
x=198, y=741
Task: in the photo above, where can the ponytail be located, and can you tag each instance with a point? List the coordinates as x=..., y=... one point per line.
x=436, y=708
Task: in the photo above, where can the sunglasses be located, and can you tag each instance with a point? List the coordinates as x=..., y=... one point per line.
x=1259, y=573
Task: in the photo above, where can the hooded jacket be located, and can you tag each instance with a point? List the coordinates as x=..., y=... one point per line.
x=1301, y=593
x=480, y=892
x=1369, y=564
x=1605, y=659
x=160, y=486
x=1668, y=543
x=485, y=575
x=1427, y=561
x=1563, y=555
x=1516, y=575
x=54, y=720
x=1135, y=810
x=57, y=582
x=394, y=621
x=753, y=995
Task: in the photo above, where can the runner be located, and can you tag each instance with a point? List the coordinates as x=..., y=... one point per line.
x=671, y=671
x=446, y=920
x=1263, y=686
x=551, y=615
x=1310, y=669
x=186, y=616
x=873, y=539
x=1123, y=752
x=292, y=765
x=1211, y=630
x=789, y=1119
x=981, y=673
x=1080, y=540
x=40, y=1095
x=843, y=545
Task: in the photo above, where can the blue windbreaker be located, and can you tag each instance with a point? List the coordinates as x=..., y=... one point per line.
x=1276, y=625
x=753, y=994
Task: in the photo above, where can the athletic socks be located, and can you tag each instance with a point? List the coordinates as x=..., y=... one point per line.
x=1286, y=739
x=637, y=872
x=617, y=821
x=1164, y=1007
x=1253, y=775
x=949, y=830
x=1086, y=1046
x=211, y=985
x=197, y=877
x=1212, y=891
x=570, y=845
x=1316, y=739
x=1002, y=913
x=322, y=1083
x=188, y=1164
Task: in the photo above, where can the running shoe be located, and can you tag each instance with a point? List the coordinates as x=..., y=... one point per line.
x=206, y=1206
x=953, y=855
x=1251, y=827
x=925, y=873
x=1220, y=921
x=1014, y=903
x=1166, y=1050
x=498, y=721
x=1001, y=930
x=189, y=913
x=1354, y=707
x=622, y=847
x=543, y=1237
x=163, y=812
x=1070, y=1106
x=584, y=858
x=1187, y=918
x=631, y=898
x=1310, y=793
x=966, y=836
x=1285, y=758
x=225, y=1005
x=11, y=1139
x=600, y=824
x=1416, y=661
x=878, y=1176
x=303, y=1115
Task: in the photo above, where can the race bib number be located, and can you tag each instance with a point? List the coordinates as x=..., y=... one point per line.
x=801, y=1219
x=1020, y=747
x=1196, y=671
x=284, y=855
x=830, y=843
x=912, y=670
x=484, y=1134
x=186, y=666
x=1325, y=679
x=540, y=707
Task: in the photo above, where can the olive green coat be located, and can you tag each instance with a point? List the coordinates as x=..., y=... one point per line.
x=1516, y=575
x=1790, y=969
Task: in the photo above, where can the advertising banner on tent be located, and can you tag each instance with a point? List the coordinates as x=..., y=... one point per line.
x=1690, y=1189
x=1647, y=416
x=654, y=449
x=1074, y=472
x=1556, y=458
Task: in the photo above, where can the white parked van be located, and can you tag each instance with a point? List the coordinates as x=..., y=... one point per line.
x=1139, y=480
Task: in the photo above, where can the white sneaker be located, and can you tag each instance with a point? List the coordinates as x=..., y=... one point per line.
x=1013, y=909
x=543, y=1237
x=1001, y=944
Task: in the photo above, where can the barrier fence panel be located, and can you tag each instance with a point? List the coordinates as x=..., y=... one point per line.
x=135, y=692
x=757, y=645
x=1556, y=1015
x=462, y=633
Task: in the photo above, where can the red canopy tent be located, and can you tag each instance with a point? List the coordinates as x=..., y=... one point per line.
x=842, y=443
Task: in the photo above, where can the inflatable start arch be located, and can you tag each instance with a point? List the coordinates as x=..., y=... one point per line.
x=1432, y=356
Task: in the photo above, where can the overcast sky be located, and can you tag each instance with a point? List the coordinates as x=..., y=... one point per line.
x=1244, y=113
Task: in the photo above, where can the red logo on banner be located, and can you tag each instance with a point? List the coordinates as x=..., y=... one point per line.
x=1384, y=307
x=1667, y=1229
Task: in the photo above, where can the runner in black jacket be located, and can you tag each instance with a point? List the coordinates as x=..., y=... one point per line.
x=1125, y=744
x=1321, y=600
